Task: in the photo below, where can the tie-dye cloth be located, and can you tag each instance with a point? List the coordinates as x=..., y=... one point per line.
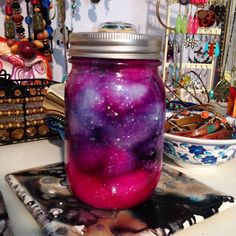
x=20, y=68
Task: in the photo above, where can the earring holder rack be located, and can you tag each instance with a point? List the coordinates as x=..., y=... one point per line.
x=212, y=31
x=187, y=65
x=223, y=2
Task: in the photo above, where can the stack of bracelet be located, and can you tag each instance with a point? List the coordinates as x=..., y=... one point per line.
x=200, y=121
x=38, y=23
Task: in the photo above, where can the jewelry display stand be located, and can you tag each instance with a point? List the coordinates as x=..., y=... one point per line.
x=181, y=61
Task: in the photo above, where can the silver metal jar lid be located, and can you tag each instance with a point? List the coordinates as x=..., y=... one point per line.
x=115, y=45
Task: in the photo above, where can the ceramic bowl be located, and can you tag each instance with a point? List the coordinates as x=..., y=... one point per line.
x=194, y=152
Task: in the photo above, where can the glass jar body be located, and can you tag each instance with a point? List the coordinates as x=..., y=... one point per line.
x=115, y=114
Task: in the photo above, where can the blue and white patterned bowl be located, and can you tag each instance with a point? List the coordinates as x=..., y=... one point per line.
x=194, y=152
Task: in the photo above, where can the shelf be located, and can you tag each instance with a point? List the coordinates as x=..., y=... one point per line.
x=193, y=65
x=206, y=31
x=210, y=2
x=209, y=31
x=172, y=1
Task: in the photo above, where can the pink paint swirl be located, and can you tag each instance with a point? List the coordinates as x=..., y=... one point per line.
x=16, y=61
x=40, y=67
x=22, y=73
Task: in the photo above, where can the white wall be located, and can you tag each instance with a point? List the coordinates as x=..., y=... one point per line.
x=88, y=16
x=138, y=12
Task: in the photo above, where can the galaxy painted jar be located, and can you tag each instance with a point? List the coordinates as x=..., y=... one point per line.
x=115, y=113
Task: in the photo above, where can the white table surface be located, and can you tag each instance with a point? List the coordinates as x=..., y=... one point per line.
x=32, y=154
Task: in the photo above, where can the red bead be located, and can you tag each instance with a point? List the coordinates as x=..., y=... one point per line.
x=8, y=2
x=205, y=114
x=40, y=36
x=26, y=50
x=10, y=42
x=8, y=10
x=17, y=18
x=34, y=2
x=224, y=120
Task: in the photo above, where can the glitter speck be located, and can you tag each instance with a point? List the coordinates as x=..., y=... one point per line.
x=51, y=191
x=119, y=87
x=56, y=212
x=113, y=190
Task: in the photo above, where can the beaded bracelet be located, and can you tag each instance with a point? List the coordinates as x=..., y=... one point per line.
x=208, y=124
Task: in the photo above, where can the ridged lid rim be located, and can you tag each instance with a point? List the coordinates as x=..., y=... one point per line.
x=115, y=45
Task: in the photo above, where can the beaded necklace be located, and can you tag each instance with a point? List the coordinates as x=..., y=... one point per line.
x=37, y=22
x=227, y=45
x=73, y=11
x=61, y=24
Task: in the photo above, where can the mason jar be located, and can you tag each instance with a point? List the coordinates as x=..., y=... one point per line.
x=115, y=114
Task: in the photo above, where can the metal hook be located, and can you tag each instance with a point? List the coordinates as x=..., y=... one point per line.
x=159, y=17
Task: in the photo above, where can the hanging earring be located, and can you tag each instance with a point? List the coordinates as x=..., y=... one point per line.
x=178, y=22
x=184, y=2
x=184, y=22
x=195, y=25
x=217, y=49
x=170, y=51
x=211, y=49
x=190, y=21
x=75, y=13
x=186, y=80
x=177, y=73
x=205, y=76
x=170, y=75
x=206, y=47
